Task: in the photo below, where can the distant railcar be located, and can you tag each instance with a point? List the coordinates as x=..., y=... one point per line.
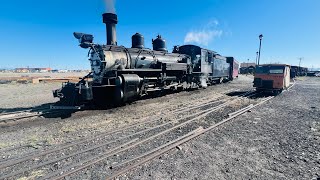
x=298, y=71
x=272, y=78
x=234, y=69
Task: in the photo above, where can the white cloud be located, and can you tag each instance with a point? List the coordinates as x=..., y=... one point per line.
x=205, y=35
x=202, y=37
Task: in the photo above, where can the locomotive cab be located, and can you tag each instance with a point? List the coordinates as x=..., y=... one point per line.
x=272, y=77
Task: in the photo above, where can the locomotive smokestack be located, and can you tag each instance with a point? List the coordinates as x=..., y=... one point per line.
x=111, y=20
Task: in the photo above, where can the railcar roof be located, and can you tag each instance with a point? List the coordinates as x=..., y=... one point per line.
x=274, y=65
x=198, y=47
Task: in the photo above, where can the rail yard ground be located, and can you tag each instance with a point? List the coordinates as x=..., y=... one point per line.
x=279, y=139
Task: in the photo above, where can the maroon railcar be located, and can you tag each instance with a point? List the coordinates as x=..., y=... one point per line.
x=234, y=67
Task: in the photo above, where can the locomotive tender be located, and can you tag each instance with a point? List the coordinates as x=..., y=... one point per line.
x=120, y=74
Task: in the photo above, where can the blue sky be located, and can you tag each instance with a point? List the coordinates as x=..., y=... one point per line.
x=39, y=33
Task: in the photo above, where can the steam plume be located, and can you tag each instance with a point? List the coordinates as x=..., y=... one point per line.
x=110, y=6
x=205, y=35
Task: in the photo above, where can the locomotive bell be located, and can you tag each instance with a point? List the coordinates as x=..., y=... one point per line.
x=159, y=44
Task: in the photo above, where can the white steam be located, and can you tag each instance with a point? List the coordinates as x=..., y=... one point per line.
x=110, y=6
x=204, y=82
x=205, y=35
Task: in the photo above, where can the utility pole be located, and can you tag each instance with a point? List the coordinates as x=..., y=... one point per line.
x=260, y=38
x=248, y=67
x=299, y=68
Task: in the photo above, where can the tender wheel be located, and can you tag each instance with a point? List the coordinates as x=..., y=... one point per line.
x=277, y=92
x=219, y=81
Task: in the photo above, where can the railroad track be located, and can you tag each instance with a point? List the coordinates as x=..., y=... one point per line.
x=181, y=107
x=144, y=121
x=19, y=115
x=106, y=145
x=23, y=111
x=204, y=101
x=38, y=112
x=25, y=114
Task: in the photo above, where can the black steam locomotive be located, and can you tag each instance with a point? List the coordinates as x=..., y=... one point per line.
x=120, y=74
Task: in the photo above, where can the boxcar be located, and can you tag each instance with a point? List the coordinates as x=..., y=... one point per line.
x=272, y=77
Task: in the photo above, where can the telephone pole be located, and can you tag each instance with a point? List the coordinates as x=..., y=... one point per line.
x=299, y=69
x=260, y=38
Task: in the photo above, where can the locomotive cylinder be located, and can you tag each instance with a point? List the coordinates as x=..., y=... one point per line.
x=111, y=20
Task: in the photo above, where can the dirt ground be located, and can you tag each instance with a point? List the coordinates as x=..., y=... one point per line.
x=55, y=130
x=18, y=95
x=278, y=140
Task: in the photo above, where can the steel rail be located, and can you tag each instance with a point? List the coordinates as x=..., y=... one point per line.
x=43, y=164
x=74, y=169
x=45, y=152
x=14, y=161
x=102, y=157
x=35, y=114
x=151, y=155
x=53, y=161
x=22, y=111
x=174, y=111
x=101, y=145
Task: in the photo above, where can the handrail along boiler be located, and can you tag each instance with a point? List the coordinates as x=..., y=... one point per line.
x=121, y=74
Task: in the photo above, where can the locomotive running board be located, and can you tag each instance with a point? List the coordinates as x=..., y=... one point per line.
x=66, y=107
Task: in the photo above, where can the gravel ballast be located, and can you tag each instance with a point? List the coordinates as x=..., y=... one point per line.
x=278, y=140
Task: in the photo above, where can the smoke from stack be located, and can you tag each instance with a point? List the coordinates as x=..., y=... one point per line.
x=110, y=6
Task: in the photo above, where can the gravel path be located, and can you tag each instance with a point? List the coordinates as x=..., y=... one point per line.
x=279, y=140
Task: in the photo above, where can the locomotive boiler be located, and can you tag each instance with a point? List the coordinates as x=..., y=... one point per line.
x=119, y=74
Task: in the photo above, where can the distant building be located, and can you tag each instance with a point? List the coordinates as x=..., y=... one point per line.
x=32, y=70
x=63, y=71
x=248, y=64
x=247, y=68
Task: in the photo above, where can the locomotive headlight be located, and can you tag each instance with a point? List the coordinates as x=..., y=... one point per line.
x=85, y=40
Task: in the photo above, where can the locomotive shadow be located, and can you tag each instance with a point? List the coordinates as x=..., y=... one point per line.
x=43, y=109
x=62, y=114
x=32, y=109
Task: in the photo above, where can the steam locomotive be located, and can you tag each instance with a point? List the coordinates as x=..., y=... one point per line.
x=120, y=74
